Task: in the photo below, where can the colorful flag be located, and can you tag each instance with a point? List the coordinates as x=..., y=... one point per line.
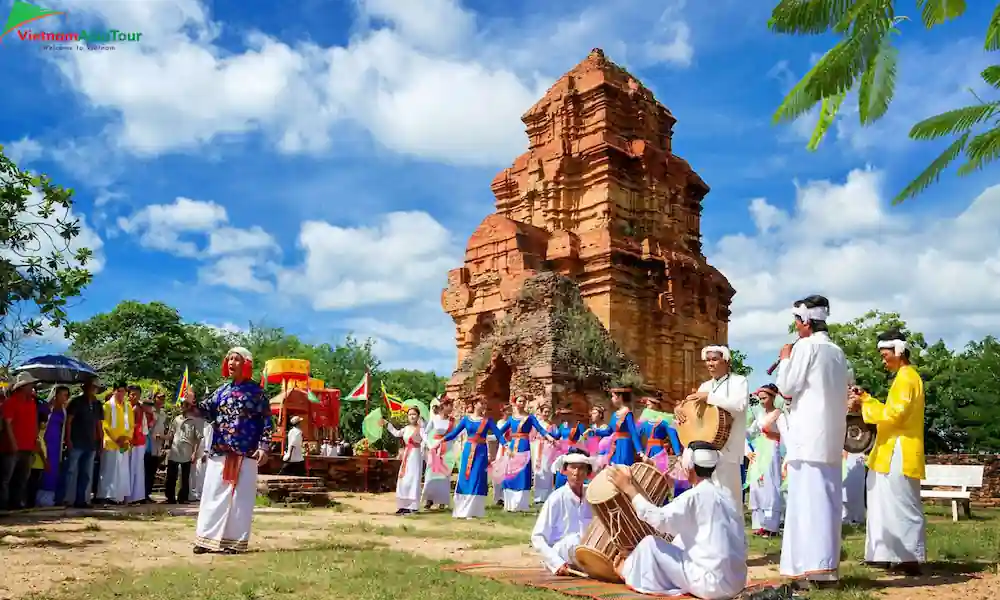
x=393, y=403
x=360, y=392
x=182, y=387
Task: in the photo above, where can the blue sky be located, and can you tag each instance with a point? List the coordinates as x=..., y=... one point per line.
x=320, y=168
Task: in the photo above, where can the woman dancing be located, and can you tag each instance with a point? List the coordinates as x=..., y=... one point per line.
x=411, y=465
x=514, y=468
x=569, y=437
x=470, y=493
x=625, y=443
x=544, y=454
x=437, y=478
x=662, y=441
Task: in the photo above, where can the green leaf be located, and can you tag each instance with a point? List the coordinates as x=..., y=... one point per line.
x=982, y=150
x=878, y=83
x=808, y=17
x=993, y=31
x=953, y=121
x=827, y=115
x=936, y=12
x=991, y=75
x=932, y=173
x=837, y=70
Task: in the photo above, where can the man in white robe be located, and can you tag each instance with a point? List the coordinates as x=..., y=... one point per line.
x=565, y=515
x=730, y=392
x=813, y=373
x=708, y=556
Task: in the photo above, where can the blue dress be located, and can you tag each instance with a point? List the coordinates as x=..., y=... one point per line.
x=625, y=442
x=657, y=434
x=472, y=479
x=574, y=435
x=518, y=431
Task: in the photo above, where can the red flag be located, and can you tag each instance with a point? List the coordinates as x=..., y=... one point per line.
x=360, y=392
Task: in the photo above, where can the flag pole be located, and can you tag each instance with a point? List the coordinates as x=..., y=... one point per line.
x=367, y=403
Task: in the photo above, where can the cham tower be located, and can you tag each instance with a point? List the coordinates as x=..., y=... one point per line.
x=598, y=198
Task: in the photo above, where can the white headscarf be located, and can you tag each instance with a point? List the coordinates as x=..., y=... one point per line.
x=573, y=459
x=702, y=457
x=897, y=346
x=240, y=350
x=722, y=350
x=816, y=313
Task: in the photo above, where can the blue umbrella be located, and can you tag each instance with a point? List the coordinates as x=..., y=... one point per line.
x=55, y=368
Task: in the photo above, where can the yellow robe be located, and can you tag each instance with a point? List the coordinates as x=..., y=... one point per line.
x=900, y=418
x=117, y=423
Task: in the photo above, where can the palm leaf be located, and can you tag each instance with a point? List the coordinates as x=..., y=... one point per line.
x=993, y=30
x=798, y=101
x=878, y=83
x=953, y=121
x=837, y=70
x=809, y=17
x=936, y=12
x=982, y=150
x=932, y=173
x=827, y=114
x=991, y=75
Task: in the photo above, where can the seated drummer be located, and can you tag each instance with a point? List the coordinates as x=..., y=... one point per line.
x=565, y=514
x=708, y=556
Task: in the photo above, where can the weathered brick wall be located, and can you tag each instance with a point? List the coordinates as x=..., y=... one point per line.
x=989, y=494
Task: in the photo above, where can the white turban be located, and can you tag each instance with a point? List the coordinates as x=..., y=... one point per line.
x=897, y=346
x=724, y=351
x=816, y=313
x=702, y=457
x=240, y=350
x=573, y=459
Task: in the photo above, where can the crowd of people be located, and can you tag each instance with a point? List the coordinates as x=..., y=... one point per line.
x=795, y=474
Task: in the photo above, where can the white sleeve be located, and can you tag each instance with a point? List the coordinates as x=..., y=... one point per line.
x=544, y=528
x=793, y=370
x=393, y=431
x=665, y=519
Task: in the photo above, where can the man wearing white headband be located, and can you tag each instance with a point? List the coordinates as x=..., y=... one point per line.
x=895, y=532
x=708, y=555
x=730, y=392
x=241, y=433
x=565, y=515
x=813, y=374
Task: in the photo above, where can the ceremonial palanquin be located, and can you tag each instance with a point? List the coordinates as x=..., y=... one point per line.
x=600, y=198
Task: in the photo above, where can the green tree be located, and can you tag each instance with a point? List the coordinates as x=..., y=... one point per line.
x=138, y=341
x=39, y=269
x=738, y=363
x=864, y=60
x=975, y=395
x=422, y=385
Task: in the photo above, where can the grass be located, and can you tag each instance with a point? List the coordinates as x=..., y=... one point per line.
x=343, y=571
x=482, y=538
x=522, y=521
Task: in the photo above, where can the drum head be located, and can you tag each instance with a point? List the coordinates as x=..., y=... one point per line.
x=601, y=489
x=596, y=565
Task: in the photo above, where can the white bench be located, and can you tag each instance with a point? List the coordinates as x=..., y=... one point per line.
x=962, y=477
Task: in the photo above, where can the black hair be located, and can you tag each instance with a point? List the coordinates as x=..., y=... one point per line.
x=702, y=472
x=771, y=387
x=119, y=385
x=893, y=335
x=134, y=388
x=815, y=301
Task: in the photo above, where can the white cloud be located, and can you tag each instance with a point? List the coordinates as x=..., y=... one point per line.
x=419, y=76
x=23, y=151
x=841, y=241
x=407, y=255
x=439, y=338
x=241, y=257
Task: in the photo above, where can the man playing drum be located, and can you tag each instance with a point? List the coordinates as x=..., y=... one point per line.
x=730, y=392
x=708, y=555
x=814, y=375
x=565, y=515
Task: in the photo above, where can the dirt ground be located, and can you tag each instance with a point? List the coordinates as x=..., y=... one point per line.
x=48, y=550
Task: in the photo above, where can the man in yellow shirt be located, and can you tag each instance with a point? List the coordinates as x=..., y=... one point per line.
x=114, y=481
x=896, y=528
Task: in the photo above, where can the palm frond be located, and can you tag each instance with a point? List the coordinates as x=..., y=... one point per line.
x=953, y=121
x=837, y=70
x=982, y=150
x=993, y=31
x=936, y=12
x=878, y=83
x=808, y=17
x=827, y=114
x=797, y=102
x=932, y=173
x=991, y=75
